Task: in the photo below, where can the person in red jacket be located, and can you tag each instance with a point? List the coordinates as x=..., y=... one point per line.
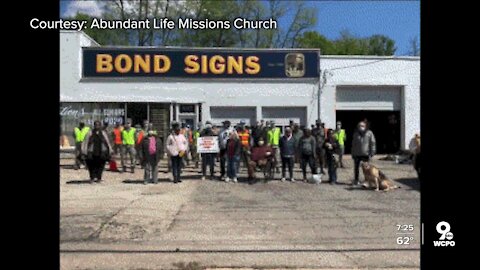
x=258, y=156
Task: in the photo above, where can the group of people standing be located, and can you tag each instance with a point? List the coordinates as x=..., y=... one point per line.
x=253, y=146
x=94, y=148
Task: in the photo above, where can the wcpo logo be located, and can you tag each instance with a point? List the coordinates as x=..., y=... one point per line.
x=443, y=228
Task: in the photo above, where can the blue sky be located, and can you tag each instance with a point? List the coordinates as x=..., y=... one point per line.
x=399, y=20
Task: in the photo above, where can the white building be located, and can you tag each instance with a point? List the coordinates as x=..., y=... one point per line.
x=351, y=88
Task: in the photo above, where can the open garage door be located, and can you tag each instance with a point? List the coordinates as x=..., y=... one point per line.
x=233, y=114
x=380, y=105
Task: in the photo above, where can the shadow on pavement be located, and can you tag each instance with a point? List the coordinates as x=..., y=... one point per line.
x=78, y=182
x=413, y=183
x=141, y=181
x=361, y=188
x=67, y=166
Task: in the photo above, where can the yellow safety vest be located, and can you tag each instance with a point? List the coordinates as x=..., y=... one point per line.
x=128, y=136
x=274, y=136
x=340, y=136
x=80, y=134
x=244, y=138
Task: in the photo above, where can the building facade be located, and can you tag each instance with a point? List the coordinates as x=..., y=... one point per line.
x=383, y=90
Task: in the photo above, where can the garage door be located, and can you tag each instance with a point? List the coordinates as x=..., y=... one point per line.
x=368, y=98
x=282, y=115
x=233, y=114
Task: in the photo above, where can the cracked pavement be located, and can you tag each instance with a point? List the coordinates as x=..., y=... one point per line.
x=123, y=224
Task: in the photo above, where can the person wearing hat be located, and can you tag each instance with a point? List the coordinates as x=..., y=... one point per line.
x=319, y=134
x=79, y=134
x=340, y=136
x=208, y=159
x=222, y=139
x=177, y=147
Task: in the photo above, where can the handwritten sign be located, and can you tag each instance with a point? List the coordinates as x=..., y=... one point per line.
x=208, y=144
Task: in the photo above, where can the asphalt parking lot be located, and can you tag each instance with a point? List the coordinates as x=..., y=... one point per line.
x=123, y=224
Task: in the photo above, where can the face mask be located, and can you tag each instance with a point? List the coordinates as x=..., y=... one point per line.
x=260, y=143
x=151, y=132
x=339, y=127
x=362, y=129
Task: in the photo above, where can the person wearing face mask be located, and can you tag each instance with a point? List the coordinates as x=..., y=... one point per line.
x=340, y=136
x=307, y=147
x=287, y=151
x=363, y=147
x=97, y=149
x=177, y=146
x=258, y=156
x=152, y=152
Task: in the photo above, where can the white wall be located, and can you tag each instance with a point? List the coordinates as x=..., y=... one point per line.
x=402, y=72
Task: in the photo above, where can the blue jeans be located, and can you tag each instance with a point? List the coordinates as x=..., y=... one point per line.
x=176, y=167
x=332, y=168
x=232, y=166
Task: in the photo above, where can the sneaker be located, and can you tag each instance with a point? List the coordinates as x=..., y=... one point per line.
x=203, y=178
x=227, y=180
x=179, y=181
x=292, y=180
x=235, y=180
x=222, y=178
x=145, y=182
x=283, y=179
